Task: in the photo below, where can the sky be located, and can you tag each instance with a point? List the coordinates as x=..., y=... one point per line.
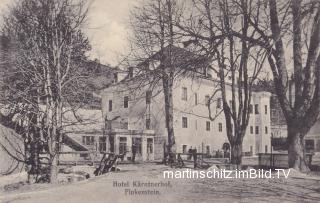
x=106, y=26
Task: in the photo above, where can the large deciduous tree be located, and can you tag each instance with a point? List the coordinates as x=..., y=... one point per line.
x=154, y=40
x=51, y=46
x=210, y=28
x=290, y=32
x=303, y=113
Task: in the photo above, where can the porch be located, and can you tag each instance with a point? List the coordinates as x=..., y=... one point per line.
x=132, y=144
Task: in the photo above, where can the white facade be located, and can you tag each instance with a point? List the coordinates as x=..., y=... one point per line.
x=192, y=126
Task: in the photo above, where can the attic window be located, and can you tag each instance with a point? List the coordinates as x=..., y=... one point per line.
x=115, y=77
x=205, y=71
x=148, y=97
x=125, y=102
x=130, y=72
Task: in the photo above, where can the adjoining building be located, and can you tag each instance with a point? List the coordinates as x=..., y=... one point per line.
x=279, y=130
x=133, y=108
x=83, y=132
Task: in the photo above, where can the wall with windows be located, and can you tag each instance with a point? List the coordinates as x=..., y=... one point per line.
x=192, y=126
x=138, y=108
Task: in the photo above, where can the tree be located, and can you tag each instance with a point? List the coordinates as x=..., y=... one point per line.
x=210, y=29
x=153, y=33
x=51, y=47
x=158, y=55
x=283, y=26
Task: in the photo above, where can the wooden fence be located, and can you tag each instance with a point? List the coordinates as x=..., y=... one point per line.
x=278, y=160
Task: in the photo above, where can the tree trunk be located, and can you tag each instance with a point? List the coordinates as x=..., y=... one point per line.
x=55, y=147
x=167, y=90
x=236, y=154
x=296, y=150
x=53, y=168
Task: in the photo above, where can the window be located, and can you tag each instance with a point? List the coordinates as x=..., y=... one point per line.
x=232, y=128
x=148, y=97
x=148, y=122
x=184, y=148
x=205, y=71
x=184, y=94
x=195, y=98
x=122, y=145
x=251, y=150
x=207, y=100
x=102, y=144
x=266, y=109
x=208, y=125
x=257, y=129
x=125, y=102
x=309, y=144
x=111, y=144
x=220, y=127
x=137, y=144
x=130, y=72
x=256, y=109
x=196, y=124
x=88, y=140
x=115, y=77
x=110, y=105
x=266, y=130
x=184, y=122
x=250, y=109
x=251, y=129
x=266, y=149
x=219, y=103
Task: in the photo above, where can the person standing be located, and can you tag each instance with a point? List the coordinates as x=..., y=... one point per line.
x=190, y=153
x=134, y=152
x=194, y=153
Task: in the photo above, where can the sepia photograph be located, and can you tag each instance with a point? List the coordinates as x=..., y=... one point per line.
x=129, y=101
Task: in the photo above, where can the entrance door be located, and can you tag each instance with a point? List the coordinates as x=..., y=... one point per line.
x=122, y=145
x=111, y=141
x=137, y=147
x=149, y=148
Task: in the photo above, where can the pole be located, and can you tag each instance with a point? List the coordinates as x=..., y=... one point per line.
x=271, y=157
x=202, y=145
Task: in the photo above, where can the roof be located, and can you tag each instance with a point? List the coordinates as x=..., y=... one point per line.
x=182, y=59
x=315, y=129
x=102, y=75
x=74, y=143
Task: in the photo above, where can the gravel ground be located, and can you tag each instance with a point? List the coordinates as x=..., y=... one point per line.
x=102, y=189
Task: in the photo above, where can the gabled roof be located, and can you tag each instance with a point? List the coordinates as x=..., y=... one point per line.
x=181, y=58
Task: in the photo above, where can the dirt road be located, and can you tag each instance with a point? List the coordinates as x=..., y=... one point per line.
x=145, y=183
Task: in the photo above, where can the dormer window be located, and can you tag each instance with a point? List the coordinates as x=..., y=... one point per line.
x=125, y=102
x=115, y=77
x=130, y=72
x=148, y=97
x=205, y=71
